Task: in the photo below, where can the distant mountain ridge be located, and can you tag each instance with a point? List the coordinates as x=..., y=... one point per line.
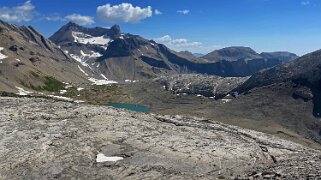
x=236, y=53
x=120, y=56
x=232, y=54
x=190, y=54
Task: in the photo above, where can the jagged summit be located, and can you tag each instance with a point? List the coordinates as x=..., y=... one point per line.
x=71, y=30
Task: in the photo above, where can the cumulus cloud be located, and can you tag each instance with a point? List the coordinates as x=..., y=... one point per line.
x=21, y=13
x=124, y=12
x=80, y=19
x=184, y=11
x=158, y=12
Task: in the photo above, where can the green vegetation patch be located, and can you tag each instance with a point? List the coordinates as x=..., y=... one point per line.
x=52, y=84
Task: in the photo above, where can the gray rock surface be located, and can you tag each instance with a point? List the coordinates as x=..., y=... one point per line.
x=44, y=139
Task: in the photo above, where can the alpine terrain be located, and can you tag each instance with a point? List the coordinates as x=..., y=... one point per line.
x=160, y=90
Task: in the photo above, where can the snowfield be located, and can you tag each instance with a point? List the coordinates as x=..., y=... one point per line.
x=88, y=39
x=92, y=55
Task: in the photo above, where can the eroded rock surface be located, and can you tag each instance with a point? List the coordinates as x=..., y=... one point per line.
x=44, y=139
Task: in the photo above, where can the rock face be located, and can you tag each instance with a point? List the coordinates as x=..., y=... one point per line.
x=196, y=84
x=26, y=57
x=47, y=139
x=283, y=57
x=302, y=73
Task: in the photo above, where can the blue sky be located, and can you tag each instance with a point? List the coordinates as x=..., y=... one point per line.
x=194, y=25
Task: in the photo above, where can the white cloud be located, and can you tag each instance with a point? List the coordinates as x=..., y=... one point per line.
x=158, y=12
x=167, y=40
x=21, y=13
x=184, y=11
x=124, y=12
x=183, y=44
x=79, y=19
x=305, y=3
x=52, y=17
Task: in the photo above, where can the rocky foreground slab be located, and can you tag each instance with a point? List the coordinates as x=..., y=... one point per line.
x=45, y=139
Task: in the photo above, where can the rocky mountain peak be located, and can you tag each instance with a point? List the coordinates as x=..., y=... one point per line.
x=72, y=25
x=116, y=29
x=232, y=54
x=124, y=46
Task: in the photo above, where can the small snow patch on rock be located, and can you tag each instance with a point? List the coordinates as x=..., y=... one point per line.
x=23, y=92
x=63, y=91
x=82, y=70
x=102, y=158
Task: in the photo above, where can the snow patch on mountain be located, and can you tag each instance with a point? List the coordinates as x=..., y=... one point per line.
x=85, y=57
x=103, y=76
x=23, y=92
x=82, y=70
x=82, y=38
x=2, y=56
x=60, y=98
x=92, y=55
x=63, y=91
x=100, y=82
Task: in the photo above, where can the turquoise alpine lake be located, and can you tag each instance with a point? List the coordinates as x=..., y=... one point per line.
x=131, y=107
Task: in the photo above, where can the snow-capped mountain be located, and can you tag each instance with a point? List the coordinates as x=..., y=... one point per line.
x=85, y=45
x=110, y=54
x=106, y=52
